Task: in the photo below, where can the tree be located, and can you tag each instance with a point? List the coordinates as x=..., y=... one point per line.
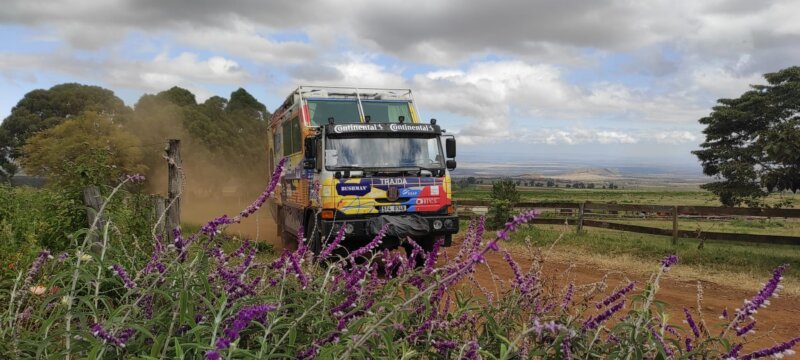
x=43, y=109
x=551, y=183
x=504, y=196
x=752, y=144
x=88, y=149
x=471, y=180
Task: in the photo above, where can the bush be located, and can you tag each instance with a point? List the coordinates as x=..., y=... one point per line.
x=193, y=299
x=504, y=196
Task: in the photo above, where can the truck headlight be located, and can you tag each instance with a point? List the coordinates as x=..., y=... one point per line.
x=448, y=223
x=437, y=224
x=348, y=228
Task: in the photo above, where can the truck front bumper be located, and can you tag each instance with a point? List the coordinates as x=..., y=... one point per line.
x=399, y=227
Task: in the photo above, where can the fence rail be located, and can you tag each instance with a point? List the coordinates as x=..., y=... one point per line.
x=673, y=211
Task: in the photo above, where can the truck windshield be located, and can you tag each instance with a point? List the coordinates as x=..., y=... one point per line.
x=383, y=152
x=342, y=111
x=346, y=110
x=386, y=111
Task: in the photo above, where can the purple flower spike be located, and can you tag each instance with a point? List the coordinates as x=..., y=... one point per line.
x=565, y=304
x=134, y=178
x=779, y=350
x=615, y=296
x=472, y=351
x=746, y=329
x=123, y=275
x=372, y=244
x=592, y=323
x=443, y=346
x=566, y=348
x=35, y=267
x=120, y=340
x=760, y=300
x=692, y=324
x=515, y=222
x=669, y=261
x=333, y=245
x=240, y=322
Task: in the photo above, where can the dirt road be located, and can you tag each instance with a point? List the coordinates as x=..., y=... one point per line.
x=777, y=323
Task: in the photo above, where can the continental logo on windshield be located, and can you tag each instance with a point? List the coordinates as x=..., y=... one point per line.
x=390, y=128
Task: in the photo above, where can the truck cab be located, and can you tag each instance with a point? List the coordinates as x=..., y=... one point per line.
x=359, y=159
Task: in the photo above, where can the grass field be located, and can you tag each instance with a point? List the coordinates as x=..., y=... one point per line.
x=735, y=257
x=684, y=195
x=748, y=259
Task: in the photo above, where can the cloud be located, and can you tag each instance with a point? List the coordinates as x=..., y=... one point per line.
x=159, y=73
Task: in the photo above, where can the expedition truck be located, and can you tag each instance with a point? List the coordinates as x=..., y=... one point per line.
x=360, y=158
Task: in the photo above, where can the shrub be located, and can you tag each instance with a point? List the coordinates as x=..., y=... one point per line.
x=190, y=298
x=504, y=195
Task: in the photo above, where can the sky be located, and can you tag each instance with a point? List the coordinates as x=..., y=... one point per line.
x=602, y=81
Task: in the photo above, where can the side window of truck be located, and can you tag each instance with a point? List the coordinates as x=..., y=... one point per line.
x=292, y=139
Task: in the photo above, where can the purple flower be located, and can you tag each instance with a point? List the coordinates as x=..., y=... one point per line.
x=746, y=329
x=120, y=340
x=760, y=300
x=592, y=323
x=123, y=275
x=784, y=348
x=688, y=343
x=273, y=184
x=62, y=257
x=372, y=244
x=239, y=322
x=615, y=296
x=668, y=261
x=565, y=304
x=430, y=261
x=734, y=353
x=35, y=267
x=333, y=245
x=692, y=324
x=135, y=178
x=472, y=351
x=515, y=222
x=443, y=346
x=566, y=347
x=212, y=355
x=660, y=339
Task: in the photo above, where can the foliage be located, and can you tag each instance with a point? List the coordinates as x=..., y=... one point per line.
x=196, y=299
x=88, y=149
x=32, y=219
x=41, y=109
x=752, y=144
x=504, y=195
x=222, y=141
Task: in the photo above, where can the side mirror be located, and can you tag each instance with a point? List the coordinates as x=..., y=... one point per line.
x=450, y=148
x=309, y=164
x=451, y=164
x=310, y=144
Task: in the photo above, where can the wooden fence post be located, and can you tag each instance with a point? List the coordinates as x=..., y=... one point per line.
x=174, y=185
x=93, y=201
x=675, y=225
x=159, y=208
x=581, y=208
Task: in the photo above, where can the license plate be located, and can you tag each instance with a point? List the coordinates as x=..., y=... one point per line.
x=392, y=209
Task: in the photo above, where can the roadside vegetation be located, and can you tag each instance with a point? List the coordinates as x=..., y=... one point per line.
x=125, y=293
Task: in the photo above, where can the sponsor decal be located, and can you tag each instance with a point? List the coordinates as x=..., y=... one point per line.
x=392, y=181
x=353, y=189
x=435, y=190
x=409, y=192
x=378, y=127
x=427, y=201
x=411, y=127
x=357, y=127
